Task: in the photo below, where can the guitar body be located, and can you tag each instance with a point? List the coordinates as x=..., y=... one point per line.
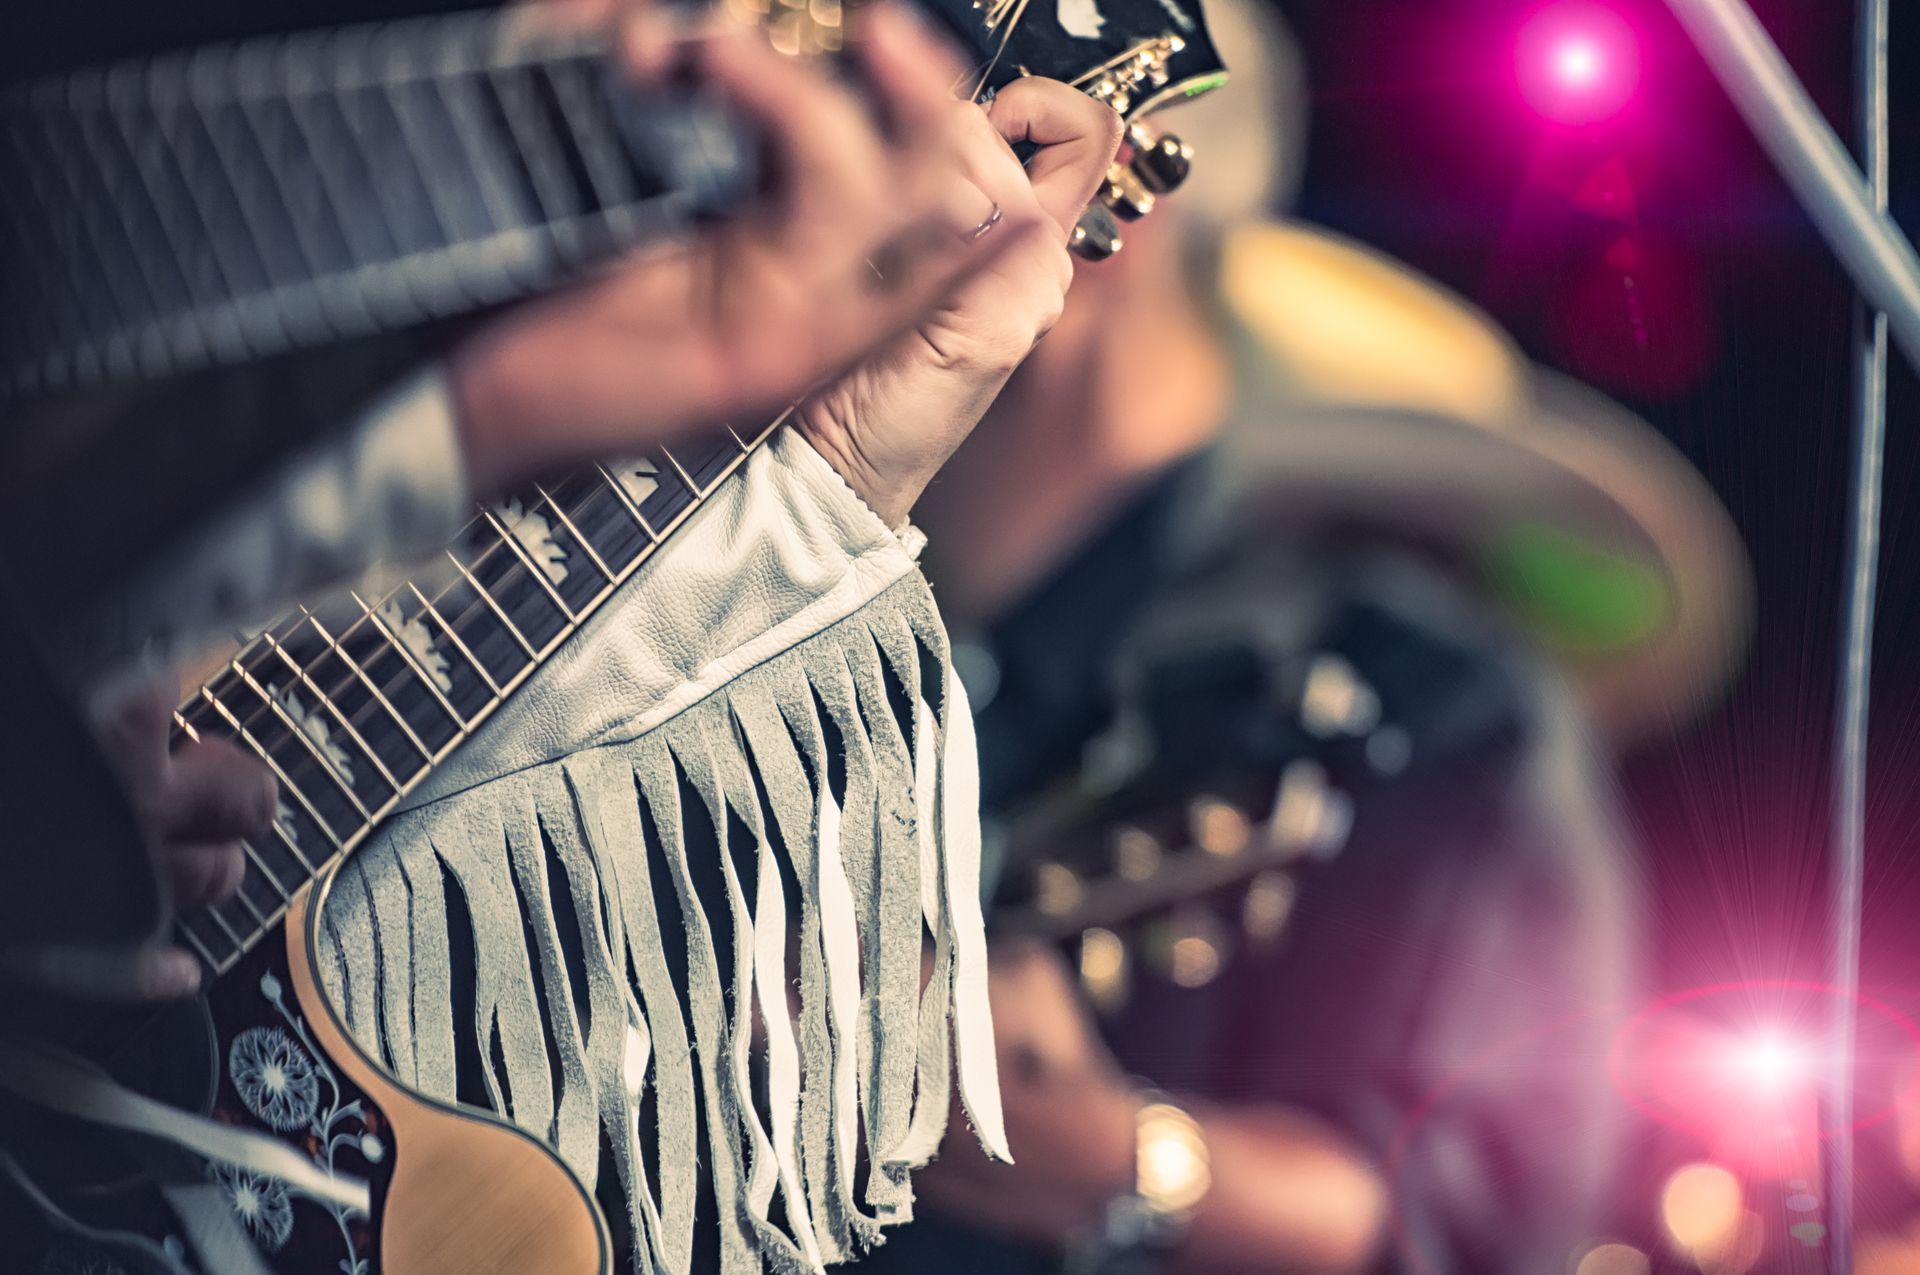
x=353, y=704
x=453, y=1188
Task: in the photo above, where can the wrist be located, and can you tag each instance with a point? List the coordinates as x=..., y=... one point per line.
x=889, y=495
x=484, y=395
x=1171, y=1174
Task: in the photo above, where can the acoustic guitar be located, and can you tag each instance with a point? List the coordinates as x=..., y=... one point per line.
x=354, y=711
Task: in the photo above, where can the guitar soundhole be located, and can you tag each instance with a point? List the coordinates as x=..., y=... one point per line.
x=274, y=1078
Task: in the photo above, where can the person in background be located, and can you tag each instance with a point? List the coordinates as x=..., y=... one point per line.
x=1296, y=511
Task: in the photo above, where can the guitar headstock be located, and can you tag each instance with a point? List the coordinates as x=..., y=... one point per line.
x=1135, y=55
x=1149, y=858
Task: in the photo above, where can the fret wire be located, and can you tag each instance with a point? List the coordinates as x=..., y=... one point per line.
x=692, y=486
x=196, y=199
x=526, y=560
x=330, y=173
x=274, y=918
x=265, y=871
x=451, y=628
x=271, y=152
x=292, y=845
x=258, y=917
x=740, y=442
x=234, y=185
x=306, y=740
x=567, y=522
x=98, y=138
x=398, y=647
x=482, y=150
x=214, y=912
x=400, y=228
x=180, y=928
x=406, y=122
x=534, y=151
x=599, y=514
x=352, y=664
x=395, y=643
x=286, y=784
x=599, y=158
x=326, y=701
x=246, y=847
x=463, y=725
x=620, y=493
x=494, y=606
x=63, y=171
x=367, y=614
x=455, y=638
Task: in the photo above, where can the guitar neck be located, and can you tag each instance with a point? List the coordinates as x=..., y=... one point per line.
x=353, y=711
x=237, y=202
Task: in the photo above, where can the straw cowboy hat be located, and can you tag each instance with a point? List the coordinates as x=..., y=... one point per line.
x=1403, y=407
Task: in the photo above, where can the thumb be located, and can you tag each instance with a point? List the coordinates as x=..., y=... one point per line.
x=1077, y=138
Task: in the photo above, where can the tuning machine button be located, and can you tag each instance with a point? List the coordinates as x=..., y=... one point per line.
x=1096, y=236
x=1057, y=889
x=1217, y=827
x=1105, y=972
x=1136, y=854
x=1160, y=161
x=1126, y=194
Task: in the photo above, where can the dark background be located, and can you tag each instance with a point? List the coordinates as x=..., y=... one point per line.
x=1422, y=146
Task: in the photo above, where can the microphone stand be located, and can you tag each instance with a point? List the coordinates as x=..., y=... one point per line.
x=1851, y=211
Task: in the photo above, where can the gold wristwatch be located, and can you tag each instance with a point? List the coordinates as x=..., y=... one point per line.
x=1171, y=1175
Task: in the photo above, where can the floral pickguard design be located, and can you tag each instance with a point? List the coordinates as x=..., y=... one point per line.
x=276, y=1078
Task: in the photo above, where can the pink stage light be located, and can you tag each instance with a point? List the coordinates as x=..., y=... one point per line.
x=1578, y=63
x=1771, y=1064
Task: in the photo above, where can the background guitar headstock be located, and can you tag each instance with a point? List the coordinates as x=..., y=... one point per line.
x=1135, y=55
x=1159, y=855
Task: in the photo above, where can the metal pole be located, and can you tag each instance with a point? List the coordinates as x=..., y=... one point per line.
x=1847, y=857
x=1879, y=258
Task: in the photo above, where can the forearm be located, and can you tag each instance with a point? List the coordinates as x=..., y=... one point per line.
x=1287, y=1193
x=387, y=487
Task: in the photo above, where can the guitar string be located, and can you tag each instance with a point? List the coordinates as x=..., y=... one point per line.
x=379, y=705
x=463, y=723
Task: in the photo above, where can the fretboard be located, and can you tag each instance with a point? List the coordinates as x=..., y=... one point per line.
x=210, y=208
x=352, y=708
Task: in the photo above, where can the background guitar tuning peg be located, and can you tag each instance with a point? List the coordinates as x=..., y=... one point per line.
x=1105, y=969
x=1126, y=194
x=1096, y=236
x=1161, y=161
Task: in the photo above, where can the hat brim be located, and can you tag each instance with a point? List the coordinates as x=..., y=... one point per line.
x=1570, y=459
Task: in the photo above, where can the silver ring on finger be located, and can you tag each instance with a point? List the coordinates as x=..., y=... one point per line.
x=992, y=220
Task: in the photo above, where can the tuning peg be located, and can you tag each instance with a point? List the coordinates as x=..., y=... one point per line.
x=1104, y=969
x=1267, y=907
x=1057, y=889
x=1217, y=827
x=1126, y=194
x=1161, y=162
x=1190, y=947
x=1096, y=236
x=1136, y=855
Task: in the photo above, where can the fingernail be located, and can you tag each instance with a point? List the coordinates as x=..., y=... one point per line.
x=269, y=807
x=176, y=974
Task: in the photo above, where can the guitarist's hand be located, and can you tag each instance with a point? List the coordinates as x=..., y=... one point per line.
x=890, y=424
x=193, y=804
x=751, y=314
x=1287, y=1193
